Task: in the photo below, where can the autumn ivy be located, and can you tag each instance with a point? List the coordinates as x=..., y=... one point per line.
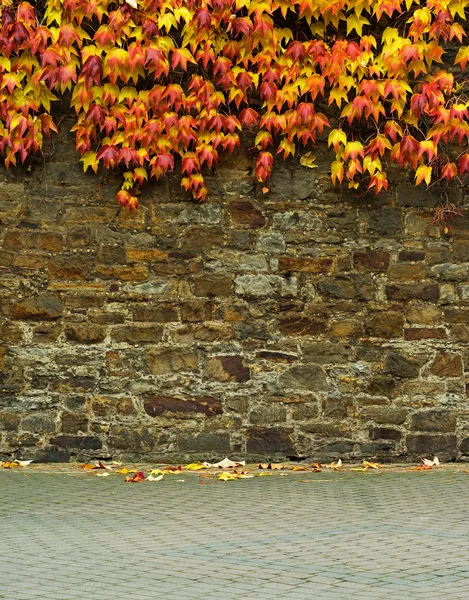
x=152, y=81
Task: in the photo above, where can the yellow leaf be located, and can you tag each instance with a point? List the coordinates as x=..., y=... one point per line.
x=308, y=160
x=423, y=173
x=336, y=137
x=89, y=160
x=355, y=22
x=226, y=476
x=195, y=467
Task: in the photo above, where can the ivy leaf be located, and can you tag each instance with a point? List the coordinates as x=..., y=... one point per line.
x=90, y=159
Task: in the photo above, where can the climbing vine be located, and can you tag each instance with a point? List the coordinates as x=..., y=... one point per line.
x=153, y=82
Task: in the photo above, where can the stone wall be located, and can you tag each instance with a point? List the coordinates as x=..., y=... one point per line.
x=306, y=323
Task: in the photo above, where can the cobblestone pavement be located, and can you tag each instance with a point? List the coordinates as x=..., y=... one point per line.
x=306, y=536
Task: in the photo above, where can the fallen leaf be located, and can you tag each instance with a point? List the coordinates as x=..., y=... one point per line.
x=422, y=468
x=88, y=467
x=226, y=476
x=101, y=465
x=300, y=468
x=195, y=467
x=125, y=471
x=264, y=474
x=9, y=465
x=335, y=466
x=283, y=474
x=226, y=463
x=139, y=476
x=431, y=463
x=151, y=478
x=170, y=470
x=157, y=472
x=272, y=466
x=23, y=463
x=102, y=475
x=371, y=465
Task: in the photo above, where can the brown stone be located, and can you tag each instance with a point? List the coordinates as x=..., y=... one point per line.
x=33, y=240
x=400, y=365
x=371, y=260
x=9, y=421
x=270, y=441
x=227, y=368
x=160, y=313
x=201, y=239
x=158, y=405
x=29, y=261
x=447, y=365
x=39, y=308
x=125, y=406
x=385, y=325
x=213, y=285
x=196, y=311
x=274, y=356
x=102, y=406
x=304, y=377
x=245, y=213
x=413, y=291
x=411, y=256
x=74, y=423
x=306, y=265
x=408, y=271
x=85, y=334
x=336, y=408
x=136, y=273
x=68, y=269
x=132, y=439
x=425, y=333
x=423, y=314
x=298, y=324
x=343, y=328
x=146, y=255
x=385, y=433
x=171, y=360
x=137, y=334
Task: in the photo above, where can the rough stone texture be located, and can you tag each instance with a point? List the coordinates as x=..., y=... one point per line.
x=307, y=322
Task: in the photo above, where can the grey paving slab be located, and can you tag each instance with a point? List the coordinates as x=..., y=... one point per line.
x=390, y=536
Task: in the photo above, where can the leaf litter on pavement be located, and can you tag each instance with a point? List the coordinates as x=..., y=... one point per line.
x=228, y=470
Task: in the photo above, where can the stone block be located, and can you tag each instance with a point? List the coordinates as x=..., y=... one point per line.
x=385, y=222
x=371, y=260
x=423, y=314
x=196, y=311
x=33, y=240
x=348, y=288
x=384, y=325
x=326, y=353
x=68, y=268
x=297, y=324
x=304, y=377
x=227, y=368
x=255, y=330
x=157, y=405
x=145, y=255
x=411, y=256
x=447, y=365
x=407, y=271
x=132, y=439
x=77, y=442
x=137, y=334
x=40, y=308
x=74, y=423
x=441, y=421
x=161, y=361
x=336, y=407
x=265, y=286
x=424, y=333
x=306, y=264
x=215, y=442
x=271, y=242
x=9, y=421
x=245, y=213
x=151, y=313
x=212, y=286
x=385, y=433
x=267, y=415
x=400, y=365
x=270, y=441
x=134, y=273
x=385, y=415
x=429, y=292
x=431, y=445
x=85, y=334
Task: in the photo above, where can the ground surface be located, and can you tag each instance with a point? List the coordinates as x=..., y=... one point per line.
x=376, y=535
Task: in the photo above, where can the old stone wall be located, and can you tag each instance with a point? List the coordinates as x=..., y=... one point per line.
x=307, y=323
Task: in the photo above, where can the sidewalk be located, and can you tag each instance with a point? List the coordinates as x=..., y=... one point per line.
x=375, y=535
